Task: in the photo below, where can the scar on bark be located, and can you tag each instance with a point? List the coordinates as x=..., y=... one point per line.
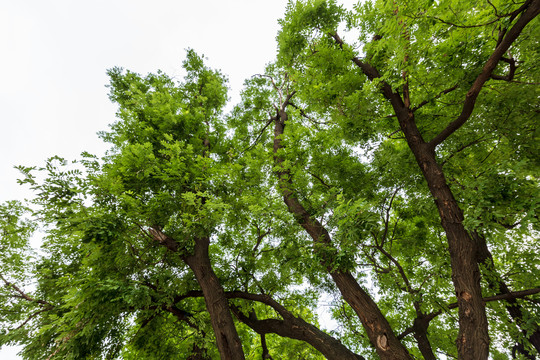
x=466, y=296
x=382, y=342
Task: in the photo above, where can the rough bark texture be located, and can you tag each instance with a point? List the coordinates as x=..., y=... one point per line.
x=375, y=324
x=420, y=327
x=291, y=326
x=294, y=328
x=473, y=338
x=228, y=341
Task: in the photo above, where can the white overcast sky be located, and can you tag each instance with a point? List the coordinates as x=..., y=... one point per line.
x=54, y=55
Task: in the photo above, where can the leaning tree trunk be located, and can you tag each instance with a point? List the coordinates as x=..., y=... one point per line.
x=228, y=341
x=473, y=338
x=379, y=331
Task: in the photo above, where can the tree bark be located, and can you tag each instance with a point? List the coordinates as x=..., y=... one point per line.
x=420, y=327
x=378, y=329
x=297, y=329
x=294, y=328
x=473, y=337
x=228, y=341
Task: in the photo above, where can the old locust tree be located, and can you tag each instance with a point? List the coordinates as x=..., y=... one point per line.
x=387, y=160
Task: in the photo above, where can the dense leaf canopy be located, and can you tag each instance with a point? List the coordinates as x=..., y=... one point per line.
x=387, y=160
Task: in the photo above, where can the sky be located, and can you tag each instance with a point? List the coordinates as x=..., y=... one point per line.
x=54, y=55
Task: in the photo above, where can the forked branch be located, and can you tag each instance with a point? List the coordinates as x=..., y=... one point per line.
x=529, y=14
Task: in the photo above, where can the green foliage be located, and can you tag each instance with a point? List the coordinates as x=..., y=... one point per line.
x=102, y=286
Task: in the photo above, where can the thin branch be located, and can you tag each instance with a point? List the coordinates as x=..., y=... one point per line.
x=320, y=180
x=23, y=295
x=268, y=122
x=387, y=217
x=390, y=136
x=512, y=15
x=525, y=82
x=477, y=141
x=409, y=288
x=33, y=316
x=260, y=237
x=425, y=102
x=271, y=79
x=265, y=353
x=462, y=26
x=303, y=114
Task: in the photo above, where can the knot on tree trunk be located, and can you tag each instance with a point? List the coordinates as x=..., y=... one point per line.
x=382, y=342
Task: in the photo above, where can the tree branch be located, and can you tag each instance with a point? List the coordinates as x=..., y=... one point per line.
x=477, y=141
x=265, y=353
x=163, y=239
x=470, y=100
x=507, y=296
x=296, y=328
x=268, y=122
x=425, y=102
x=511, y=72
x=23, y=295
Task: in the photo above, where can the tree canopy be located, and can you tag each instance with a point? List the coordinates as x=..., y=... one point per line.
x=387, y=159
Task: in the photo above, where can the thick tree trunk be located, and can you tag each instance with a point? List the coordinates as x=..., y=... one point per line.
x=228, y=341
x=378, y=329
x=473, y=337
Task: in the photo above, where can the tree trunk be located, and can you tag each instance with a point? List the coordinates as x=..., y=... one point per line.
x=228, y=341
x=378, y=329
x=420, y=327
x=379, y=332
x=473, y=337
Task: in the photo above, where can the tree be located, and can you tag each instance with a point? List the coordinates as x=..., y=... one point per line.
x=395, y=172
